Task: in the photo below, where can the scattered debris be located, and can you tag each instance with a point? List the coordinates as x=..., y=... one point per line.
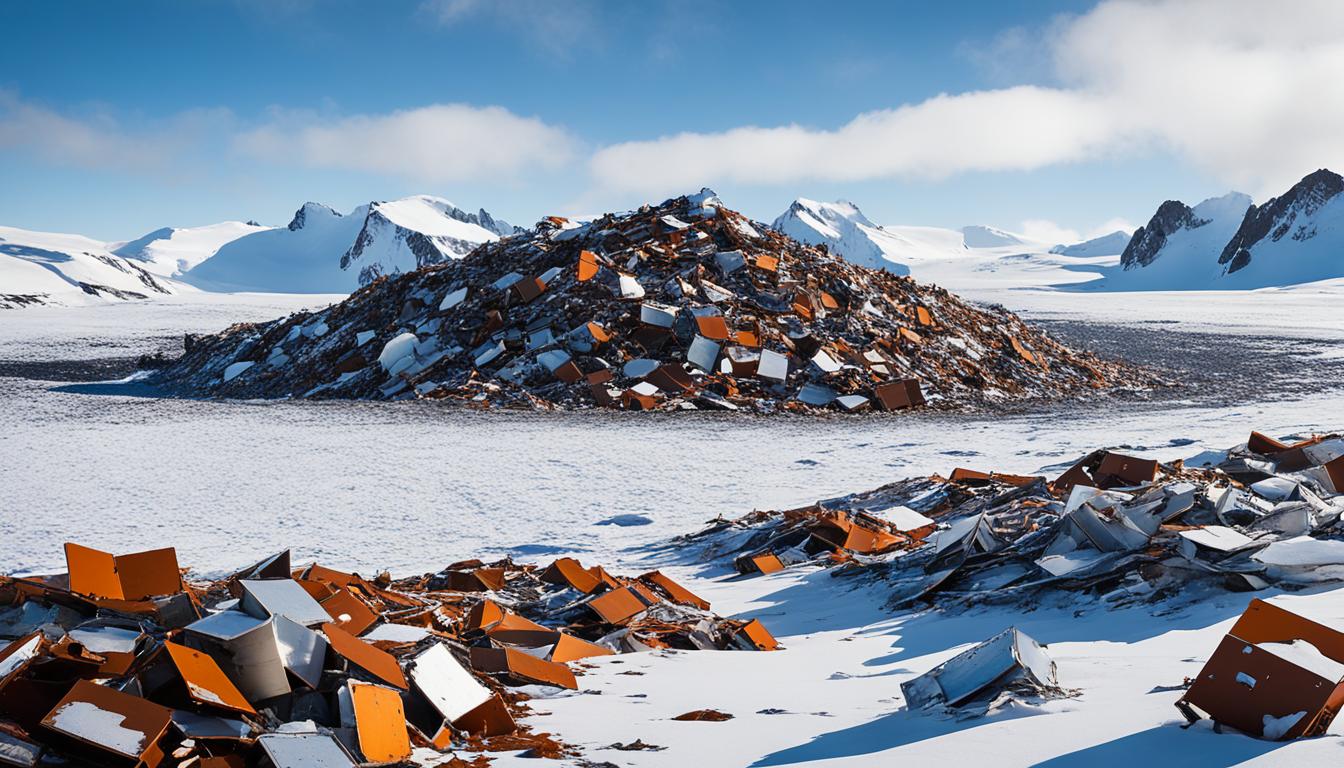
x=121, y=660
x=685, y=305
x=637, y=745
x=1275, y=675
x=704, y=715
x=1115, y=525
x=1009, y=665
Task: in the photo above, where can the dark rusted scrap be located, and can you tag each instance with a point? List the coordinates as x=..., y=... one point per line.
x=1252, y=685
x=384, y=664
x=715, y=312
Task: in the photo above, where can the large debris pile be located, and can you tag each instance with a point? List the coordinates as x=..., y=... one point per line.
x=682, y=305
x=120, y=661
x=1132, y=529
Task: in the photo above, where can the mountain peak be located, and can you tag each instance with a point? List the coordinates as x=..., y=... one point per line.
x=1290, y=214
x=306, y=213
x=981, y=236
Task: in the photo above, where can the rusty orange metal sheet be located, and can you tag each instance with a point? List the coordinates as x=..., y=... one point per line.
x=378, y=663
x=569, y=572
x=516, y=630
x=523, y=666
x=380, y=723
x=351, y=613
x=489, y=719
x=758, y=636
x=678, y=593
x=571, y=648
x=206, y=682
x=89, y=710
x=1127, y=468
x=618, y=605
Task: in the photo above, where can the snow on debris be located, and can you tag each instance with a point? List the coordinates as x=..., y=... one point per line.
x=762, y=320
x=1132, y=529
x=464, y=647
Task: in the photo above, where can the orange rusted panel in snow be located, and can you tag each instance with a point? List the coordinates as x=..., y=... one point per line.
x=523, y=667
x=517, y=630
x=713, y=327
x=587, y=266
x=758, y=636
x=489, y=719
x=678, y=593
x=380, y=664
x=828, y=301
x=1248, y=686
x=351, y=613
x=326, y=575
x=122, y=577
x=484, y=614
x=318, y=590
x=923, y=317
x=767, y=562
x=206, y=682
x=618, y=605
x=767, y=262
x=569, y=572
x=1127, y=469
x=140, y=723
x=911, y=336
x=601, y=575
x=380, y=723
x=92, y=572
x=571, y=648
x=1335, y=470
x=1265, y=445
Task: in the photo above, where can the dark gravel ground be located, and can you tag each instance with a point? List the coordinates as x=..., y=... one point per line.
x=1207, y=369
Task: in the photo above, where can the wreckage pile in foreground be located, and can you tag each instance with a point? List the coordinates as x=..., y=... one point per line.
x=1132, y=529
x=683, y=305
x=120, y=661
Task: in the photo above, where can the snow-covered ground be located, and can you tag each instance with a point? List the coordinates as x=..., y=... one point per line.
x=411, y=487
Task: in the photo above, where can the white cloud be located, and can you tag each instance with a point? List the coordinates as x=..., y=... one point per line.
x=1244, y=89
x=1046, y=231
x=1118, y=224
x=98, y=140
x=440, y=143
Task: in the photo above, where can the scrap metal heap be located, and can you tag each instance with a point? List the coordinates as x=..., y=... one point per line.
x=1132, y=529
x=122, y=661
x=677, y=306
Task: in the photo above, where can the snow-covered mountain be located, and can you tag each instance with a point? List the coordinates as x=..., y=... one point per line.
x=323, y=251
x=171, y=251
x=1177, y=249
x=1226, y=243
x=843, y=228
x=977, y=256
x=39, y=268
x=981, y=236
x=1106, y=245
x=1297, y=237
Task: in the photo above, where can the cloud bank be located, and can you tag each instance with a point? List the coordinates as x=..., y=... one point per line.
x=1245, y=90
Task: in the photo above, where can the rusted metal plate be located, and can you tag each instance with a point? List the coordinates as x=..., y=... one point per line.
x=126, y=726
x=206, y=682
x=378, y=663
x=380, y=723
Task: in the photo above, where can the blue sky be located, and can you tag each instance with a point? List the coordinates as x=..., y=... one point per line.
x=118, y=118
